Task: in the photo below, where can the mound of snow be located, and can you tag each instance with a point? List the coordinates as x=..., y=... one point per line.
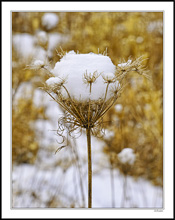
x=73, y=68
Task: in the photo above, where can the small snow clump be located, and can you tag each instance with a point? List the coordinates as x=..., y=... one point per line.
x=125, y=64
x=24, y=45
x=52, y=81
x=118, y=108
x=50, y=20
x=127, y=156
x=38, y=63
x=39, y=53
x=108, y=135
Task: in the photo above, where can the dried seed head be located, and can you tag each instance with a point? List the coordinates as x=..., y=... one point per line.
x=40, y=64
x=84, y=108
x=123, y=69
x=62, y=53
x=36, y=65
x=89, y=78
x=109, y=78
x=126, y=64
x=116, y=89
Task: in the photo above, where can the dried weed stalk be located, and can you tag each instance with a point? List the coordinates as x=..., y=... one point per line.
x=89, y=114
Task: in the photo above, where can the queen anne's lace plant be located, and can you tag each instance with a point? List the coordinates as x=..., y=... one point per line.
x=86, y=86
x=127, y=159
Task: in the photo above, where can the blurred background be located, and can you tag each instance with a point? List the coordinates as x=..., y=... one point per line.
x=42, y=178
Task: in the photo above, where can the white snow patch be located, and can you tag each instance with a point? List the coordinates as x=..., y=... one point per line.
x=26, y=49
x=56, y=39
x=154, y=26
x=39, y=53
x=23, y=44
x=54, y=182
x=53, y=81
x=109, y=134
x=24, y=91
x=139, y=39
x=125, y=64
x=50, y=20
x=38, y=63
x=118, y=107
x=127, y=156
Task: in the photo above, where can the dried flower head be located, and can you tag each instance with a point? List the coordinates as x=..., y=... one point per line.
x=109, y=78
x=36, y=65
x=86, y=106
x=123, y=69
x=89, y=78
x=40, y=64
x=54, y=84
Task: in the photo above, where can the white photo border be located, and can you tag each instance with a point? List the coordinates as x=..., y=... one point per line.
x=165, y=7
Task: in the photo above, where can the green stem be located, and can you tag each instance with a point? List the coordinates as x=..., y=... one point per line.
x=88, y=133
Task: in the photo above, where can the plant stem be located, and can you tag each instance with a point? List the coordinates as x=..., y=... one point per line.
x=124, y=191
x=88, y=133
x=112, y=184
x=79, y=170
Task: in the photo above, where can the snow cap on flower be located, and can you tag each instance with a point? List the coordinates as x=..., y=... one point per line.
x=125, y=64
x=75, y=67
x=109, y=78
x=38, y=62
x=50, y=20
x=36, y=65
x=53, y=81
x=54, y=84
x=127, y=156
